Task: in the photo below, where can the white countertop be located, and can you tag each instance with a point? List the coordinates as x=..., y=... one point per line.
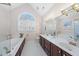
x=63, y=44
x=15, y=49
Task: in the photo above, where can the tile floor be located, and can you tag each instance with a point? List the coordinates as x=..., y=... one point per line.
x=33, y=48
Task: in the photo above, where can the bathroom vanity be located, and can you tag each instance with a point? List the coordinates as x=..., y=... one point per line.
x=55, y=47
x=20, y=48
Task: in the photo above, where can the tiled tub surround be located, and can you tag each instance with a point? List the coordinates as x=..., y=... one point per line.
x=11, y=47
x=62, y=43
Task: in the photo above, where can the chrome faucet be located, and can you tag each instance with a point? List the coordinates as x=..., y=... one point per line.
x=7, y=50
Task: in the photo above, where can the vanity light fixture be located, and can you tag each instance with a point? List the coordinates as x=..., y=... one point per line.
x=64, y=12
x=75, y=7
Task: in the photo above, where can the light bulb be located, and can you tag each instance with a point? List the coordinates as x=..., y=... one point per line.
x=75, y=7
x=64, y=12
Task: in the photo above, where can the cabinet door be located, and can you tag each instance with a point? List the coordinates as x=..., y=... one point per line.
x=65, y=54
x=43, y=43
x=47, y=47
x=40, y=40
x=55, y=51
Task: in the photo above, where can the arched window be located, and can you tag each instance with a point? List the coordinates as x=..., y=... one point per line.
x=26, y=22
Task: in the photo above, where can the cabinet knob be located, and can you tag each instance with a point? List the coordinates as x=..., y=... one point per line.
x=59, y=51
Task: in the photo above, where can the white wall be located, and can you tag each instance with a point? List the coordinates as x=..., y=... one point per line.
x=15, y=14
x=4, y=23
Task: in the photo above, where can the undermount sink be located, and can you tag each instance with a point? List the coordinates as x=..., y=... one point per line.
x=51, y=36
x=66, y=46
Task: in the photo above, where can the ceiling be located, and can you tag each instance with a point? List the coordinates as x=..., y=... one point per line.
x=41, y=8
x=10, y=5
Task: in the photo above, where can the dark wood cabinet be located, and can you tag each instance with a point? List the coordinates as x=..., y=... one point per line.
x=47, y=47
x=55, y=51
x=51, y=49
x=43, y=43
x=65, y=53
x=20, y=49
x=40, y=40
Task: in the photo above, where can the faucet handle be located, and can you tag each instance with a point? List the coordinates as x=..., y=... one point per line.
x=73, y=43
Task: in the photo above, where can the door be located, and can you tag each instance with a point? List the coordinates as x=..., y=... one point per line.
x=47, y=47
x=43, y=43
x=55, y=51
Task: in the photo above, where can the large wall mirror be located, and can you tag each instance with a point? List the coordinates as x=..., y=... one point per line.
x=76, y=29
x=50, y=26
x=65, y=26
